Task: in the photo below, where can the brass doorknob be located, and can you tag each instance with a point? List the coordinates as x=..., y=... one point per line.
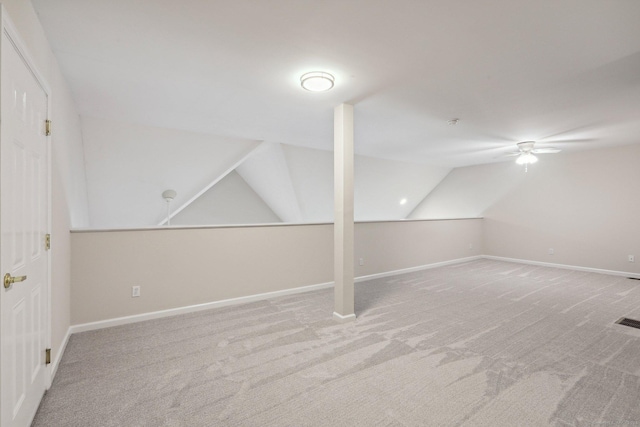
x=10, y=280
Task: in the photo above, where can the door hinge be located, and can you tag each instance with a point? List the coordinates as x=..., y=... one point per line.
x=47, y=127
x=47, y=241
x=47, y=356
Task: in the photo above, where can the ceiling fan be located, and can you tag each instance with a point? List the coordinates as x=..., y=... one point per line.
x=526, y=153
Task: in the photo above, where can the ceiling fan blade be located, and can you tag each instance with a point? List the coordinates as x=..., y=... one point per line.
x=512, y=154
x=546, y=150
x=568, y=141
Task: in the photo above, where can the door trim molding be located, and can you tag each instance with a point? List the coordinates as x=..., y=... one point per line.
x=55, y=363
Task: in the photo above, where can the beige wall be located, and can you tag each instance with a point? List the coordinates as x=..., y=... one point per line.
x=390, y=246
x=68, y=186
x=181, y=267
x=585, y=205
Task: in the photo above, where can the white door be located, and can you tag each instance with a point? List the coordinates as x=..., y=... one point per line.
x=23, y=222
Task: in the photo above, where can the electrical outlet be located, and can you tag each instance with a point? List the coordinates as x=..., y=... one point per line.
x=135, y=291
x=361, y=261
x=551, y=251
x=632, y=258
x=470, y=246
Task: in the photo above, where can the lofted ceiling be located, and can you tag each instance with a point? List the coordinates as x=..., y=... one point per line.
x=565, y=74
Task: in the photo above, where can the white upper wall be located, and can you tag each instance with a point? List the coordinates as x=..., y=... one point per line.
x=467, y=192
x=230, y=201
x=129, y=166
x=69, y=156
x=267, y=172
x=311, y=173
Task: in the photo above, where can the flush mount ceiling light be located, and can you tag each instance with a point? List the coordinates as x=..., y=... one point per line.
x=403, y=201
x=317, y=81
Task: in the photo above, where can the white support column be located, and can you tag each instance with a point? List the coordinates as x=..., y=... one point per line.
x=343, y=213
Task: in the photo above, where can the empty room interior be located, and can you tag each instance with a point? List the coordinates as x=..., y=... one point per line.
x=335, y=213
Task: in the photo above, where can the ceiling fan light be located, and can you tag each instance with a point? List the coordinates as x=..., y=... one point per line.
x=317, y=81
x=526, y=159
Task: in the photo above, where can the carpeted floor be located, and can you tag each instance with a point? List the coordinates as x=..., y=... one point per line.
x=484, y=343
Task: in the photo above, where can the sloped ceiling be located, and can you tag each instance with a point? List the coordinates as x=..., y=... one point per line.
x=129, y=166
x=387, y=189
x=565, y=74
x=380, y=186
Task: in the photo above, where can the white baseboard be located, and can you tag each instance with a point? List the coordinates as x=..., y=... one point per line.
x=564, y=266
x=259, y=297
x=251, y=298
x=193, y=308
x=418, y=268
x=342, y=318
x=56, y=362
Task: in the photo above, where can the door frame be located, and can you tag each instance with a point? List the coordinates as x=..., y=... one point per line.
x=9, y=29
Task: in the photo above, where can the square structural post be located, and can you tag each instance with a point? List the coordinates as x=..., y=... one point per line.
x=343, y=228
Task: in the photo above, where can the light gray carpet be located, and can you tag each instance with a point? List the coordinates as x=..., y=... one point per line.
x=484, y=343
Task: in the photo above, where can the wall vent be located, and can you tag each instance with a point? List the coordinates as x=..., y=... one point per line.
x=629, y=322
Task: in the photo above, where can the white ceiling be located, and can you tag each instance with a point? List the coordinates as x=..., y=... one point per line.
x=562, y=72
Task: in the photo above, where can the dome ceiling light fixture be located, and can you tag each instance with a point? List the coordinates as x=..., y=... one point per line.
x=317, y=81
x=169, y=195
